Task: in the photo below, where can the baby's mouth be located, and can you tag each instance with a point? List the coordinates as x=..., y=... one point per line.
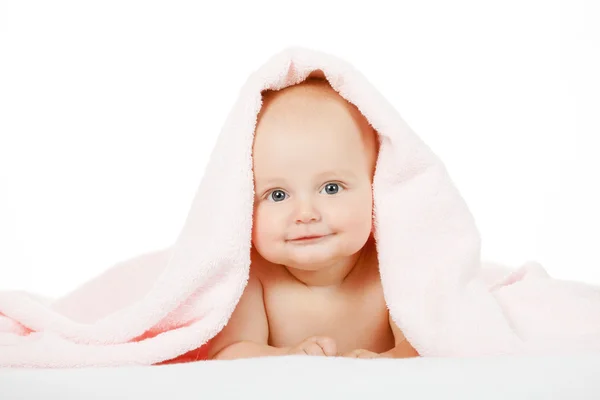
x=309, y=238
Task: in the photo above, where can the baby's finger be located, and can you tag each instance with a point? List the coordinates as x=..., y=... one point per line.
x=327, y=345
x=361, y=353
x=313, y=349
x=351, y=354
x=367, y=354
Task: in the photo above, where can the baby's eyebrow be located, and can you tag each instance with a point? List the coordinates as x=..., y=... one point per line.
x=271, y=181
x=323, y=175
x=343, y=173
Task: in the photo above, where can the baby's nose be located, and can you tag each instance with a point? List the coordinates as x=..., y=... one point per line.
x=307, y=217
x=306, y=213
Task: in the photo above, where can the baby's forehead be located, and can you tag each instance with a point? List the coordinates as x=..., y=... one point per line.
x=314, y=112
x=311, y=101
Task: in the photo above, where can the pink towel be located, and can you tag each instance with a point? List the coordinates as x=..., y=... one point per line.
x=167, y=305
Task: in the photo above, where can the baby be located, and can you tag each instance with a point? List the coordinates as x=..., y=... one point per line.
x=314, y=284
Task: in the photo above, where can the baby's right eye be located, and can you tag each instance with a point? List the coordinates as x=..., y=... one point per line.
x=277, y=195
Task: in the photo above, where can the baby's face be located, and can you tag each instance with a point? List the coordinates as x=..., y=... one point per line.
x=313, y=166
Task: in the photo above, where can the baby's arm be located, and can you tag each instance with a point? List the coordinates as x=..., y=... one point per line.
x=247, y=331
x=401, y=349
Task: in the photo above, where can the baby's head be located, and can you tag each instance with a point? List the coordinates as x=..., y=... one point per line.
x=314, y=159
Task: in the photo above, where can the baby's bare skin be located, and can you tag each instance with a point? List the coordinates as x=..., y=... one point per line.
x=314, y=158
x=353, y=314
x=350, y=320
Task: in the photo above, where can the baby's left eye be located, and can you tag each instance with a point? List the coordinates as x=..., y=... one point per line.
x=332, y=188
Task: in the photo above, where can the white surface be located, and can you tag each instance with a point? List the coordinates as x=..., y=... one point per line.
x=295, y=377
x=109, y=110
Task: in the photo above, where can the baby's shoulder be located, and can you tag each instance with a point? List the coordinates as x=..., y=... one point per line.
x=264, y=271
x=368, y=270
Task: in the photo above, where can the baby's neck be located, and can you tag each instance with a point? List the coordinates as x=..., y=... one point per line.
x=337, y=273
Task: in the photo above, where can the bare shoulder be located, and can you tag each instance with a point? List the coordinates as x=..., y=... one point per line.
x=369, y=275
x=366, y=286
x=248, y=322
x=267, y=273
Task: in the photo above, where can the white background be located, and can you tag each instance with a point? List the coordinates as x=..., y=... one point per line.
x=109, y=110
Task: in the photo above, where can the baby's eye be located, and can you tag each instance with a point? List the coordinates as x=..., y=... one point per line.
x=332, y=188
x=277, y=195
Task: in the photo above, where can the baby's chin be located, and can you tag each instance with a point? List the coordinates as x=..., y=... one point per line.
x=314, y=264
x=301, y=260
x=314, y=260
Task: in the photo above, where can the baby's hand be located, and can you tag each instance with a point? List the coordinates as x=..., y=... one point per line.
x=316, y=346
x=361, y=353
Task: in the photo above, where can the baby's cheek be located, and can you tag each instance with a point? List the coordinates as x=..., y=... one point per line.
x=356, y=214
x=266, y=225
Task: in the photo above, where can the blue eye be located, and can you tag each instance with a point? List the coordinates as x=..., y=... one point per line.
x=277, y=195
x=332, y=188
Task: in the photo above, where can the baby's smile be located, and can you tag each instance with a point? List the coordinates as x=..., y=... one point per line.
x=310, y=239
